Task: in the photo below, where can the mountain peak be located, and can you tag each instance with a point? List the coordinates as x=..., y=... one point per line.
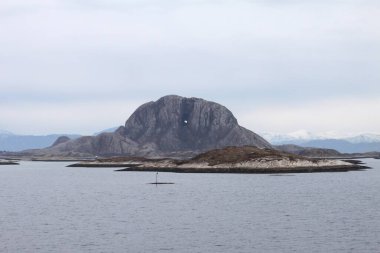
x=172, y=124
x=301, y=134
x=60, y=140
x=180, y=123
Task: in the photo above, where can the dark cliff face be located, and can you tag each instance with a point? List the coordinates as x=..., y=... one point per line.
x=170, y=125
x=176, y=123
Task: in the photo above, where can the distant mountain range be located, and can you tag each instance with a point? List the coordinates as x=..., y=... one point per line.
x=14, y=142
x=343, y=143
x=18, y=142
x=361, y=143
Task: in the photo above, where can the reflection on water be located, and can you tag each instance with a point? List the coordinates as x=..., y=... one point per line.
x=46, y=207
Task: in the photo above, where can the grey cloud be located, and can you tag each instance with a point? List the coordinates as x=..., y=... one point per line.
x=259, y=52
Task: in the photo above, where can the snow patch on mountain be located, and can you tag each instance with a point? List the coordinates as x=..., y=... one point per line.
x=301, y=136
x=364, y=138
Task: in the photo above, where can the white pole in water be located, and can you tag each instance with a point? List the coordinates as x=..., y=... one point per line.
x=156, y=176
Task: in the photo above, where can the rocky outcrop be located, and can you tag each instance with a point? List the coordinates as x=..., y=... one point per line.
x=175, y=123
x=8, y=162
x=61, y=139
x=171, y=126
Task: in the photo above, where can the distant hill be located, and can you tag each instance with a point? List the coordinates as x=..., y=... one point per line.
x=14, y=142
x=308, y=151
x=61, y=140
x=343, y=145
x=323, y=152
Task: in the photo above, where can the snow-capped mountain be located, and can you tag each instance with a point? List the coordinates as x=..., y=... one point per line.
x=294, y=136
x=347, y=143
x=369, y=138
x=300, y=136
x=303, y=135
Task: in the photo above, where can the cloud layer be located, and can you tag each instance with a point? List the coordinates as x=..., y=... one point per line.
x=261, y=58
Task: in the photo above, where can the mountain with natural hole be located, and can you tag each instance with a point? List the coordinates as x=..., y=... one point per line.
x=171, y=126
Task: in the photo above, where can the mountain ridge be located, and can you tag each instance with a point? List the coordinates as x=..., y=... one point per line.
x=366, y=142
x=15, y=143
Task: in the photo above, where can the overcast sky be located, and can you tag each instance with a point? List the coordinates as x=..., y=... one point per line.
x=71, y=66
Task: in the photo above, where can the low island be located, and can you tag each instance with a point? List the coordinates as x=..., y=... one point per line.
x=247, y=159
x=7, y=162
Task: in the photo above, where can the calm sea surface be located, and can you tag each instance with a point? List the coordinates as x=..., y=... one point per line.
x=45, y=207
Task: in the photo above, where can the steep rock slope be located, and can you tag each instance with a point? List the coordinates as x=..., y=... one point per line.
x=172, y=125
x=175, y=123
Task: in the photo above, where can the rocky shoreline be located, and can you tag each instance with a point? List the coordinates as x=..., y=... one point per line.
x=228, y=168
x=231, y=160
x=249, y=170
x=101, y=165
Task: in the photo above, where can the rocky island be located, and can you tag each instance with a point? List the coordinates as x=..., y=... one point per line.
x=246, y=159
x=182, y=134
x=8, y=162
x=172, y=126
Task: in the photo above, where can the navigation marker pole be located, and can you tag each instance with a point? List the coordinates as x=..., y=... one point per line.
x=159, y=183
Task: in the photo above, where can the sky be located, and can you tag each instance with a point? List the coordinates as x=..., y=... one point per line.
x=82, y=66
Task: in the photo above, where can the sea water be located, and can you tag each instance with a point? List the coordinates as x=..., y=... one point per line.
x=47, y=207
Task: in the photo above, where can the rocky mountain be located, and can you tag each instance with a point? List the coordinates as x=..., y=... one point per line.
x=108, y=130
x=177, y=123
x=60, y=140
x=170, y=126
